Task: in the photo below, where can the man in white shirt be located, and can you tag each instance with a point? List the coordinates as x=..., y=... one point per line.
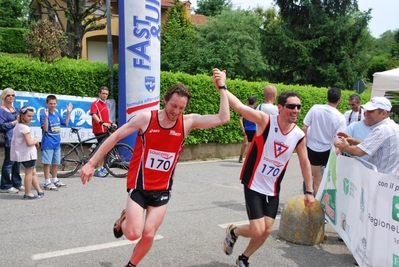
x=355, y=113
x=321, y=125
x=382, y=144
x=270, y=93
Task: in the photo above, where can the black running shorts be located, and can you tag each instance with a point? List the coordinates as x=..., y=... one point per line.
x=259, y=205
x=147, y=198
x=318, y=158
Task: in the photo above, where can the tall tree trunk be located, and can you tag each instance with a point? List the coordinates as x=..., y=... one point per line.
x=75, y=36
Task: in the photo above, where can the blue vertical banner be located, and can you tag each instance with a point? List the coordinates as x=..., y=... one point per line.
x=139, y=59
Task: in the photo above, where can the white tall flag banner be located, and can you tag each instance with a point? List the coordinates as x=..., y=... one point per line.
x=139, y=58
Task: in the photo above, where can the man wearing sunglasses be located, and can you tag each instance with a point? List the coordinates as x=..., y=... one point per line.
x=321, y=125
x=355, y=113
x=277, y=136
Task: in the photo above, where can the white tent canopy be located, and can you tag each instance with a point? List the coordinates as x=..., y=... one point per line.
x=385, y=81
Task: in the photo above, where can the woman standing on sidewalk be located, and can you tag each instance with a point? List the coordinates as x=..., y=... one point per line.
x=11, y=181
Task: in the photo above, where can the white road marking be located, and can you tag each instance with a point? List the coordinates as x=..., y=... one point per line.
x=71, y=251
x=225, y=225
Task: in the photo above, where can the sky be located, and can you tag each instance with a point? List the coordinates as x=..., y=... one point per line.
x=384, y=14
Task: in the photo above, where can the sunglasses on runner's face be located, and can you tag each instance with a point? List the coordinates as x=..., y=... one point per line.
x=25, y=109
x=10, y=95
x=293, y=106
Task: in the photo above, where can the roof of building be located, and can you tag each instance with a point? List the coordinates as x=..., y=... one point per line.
x=198, y=19
x=166, y=3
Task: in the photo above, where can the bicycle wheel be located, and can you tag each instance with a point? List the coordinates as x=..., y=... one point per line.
x=70, y=161
x=117, y=160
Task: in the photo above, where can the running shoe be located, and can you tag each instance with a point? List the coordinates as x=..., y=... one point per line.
x=50, y=186
x=104, y=170
x=10, y=190
x=101, y=173
x=98, y=173
x=229, y=240
x=242, y=263
x=59, y=184
x=118, y=225
x=20, y=188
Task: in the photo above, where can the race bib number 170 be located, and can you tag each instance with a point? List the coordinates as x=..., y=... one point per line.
x=159, y=160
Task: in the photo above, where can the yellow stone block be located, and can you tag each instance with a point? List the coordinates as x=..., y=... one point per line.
x=300, y=224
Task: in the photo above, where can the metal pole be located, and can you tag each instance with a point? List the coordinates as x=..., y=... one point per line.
x=109, y=48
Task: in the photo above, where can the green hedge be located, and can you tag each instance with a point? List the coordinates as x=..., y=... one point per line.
x=12, y=40
x=82, y=78
x=65, y=76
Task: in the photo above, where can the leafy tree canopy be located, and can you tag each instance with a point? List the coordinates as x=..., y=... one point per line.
x=317, y=42
x=232, y=41
x=395, y=46
x=14, y=13
x=212, y=8
x=177, y=40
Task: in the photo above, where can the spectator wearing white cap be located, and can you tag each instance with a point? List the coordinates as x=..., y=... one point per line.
x=382, y=144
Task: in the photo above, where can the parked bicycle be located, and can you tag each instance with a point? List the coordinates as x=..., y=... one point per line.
x=73, y=156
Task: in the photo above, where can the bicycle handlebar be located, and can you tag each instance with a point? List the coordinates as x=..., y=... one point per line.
x=110, y=129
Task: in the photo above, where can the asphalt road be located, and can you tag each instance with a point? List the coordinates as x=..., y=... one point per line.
x=73, y=227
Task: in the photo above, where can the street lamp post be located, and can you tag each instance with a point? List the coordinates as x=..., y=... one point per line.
x=109, y=47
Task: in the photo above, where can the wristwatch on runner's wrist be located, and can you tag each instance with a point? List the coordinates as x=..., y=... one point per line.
x=309, y=193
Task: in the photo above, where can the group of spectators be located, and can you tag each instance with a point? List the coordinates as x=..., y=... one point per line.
x=160, y=140
x=364, y=130
x=21, y=148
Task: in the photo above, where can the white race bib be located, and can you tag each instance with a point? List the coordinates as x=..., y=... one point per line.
x=159, y=160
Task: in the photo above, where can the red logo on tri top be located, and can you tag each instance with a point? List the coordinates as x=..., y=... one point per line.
x=279, y=149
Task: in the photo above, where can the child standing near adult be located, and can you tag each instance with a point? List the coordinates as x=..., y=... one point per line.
x=51, y=122
x=24, y=150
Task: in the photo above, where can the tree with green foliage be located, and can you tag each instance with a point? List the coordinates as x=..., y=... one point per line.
x=231, y=41
x=177, y=40
x=395, y=46
x=82, y=16
x=14, y=13
x=317, y=42
x=212, y=8
x=382, y=52
x=44, y=40
x=383, y=46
